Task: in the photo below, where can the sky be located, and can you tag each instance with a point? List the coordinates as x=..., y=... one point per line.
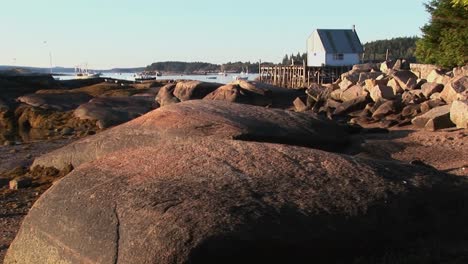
x=135, y=33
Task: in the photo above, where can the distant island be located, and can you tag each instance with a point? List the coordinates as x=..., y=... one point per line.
x=399, y=48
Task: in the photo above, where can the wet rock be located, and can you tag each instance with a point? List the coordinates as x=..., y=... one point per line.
x=29, y=117
x=59, y=102
x=111, y=111
x=8, y=143
x=200, y=118
x=436, y=118
x=380, y=92
x=99, y=89
x=7, y=120
x=210, y=201
x=456, y=89
x=66, y=131
x=191, y=90
x=20, y=183
x=459, y=113
x=429, y=89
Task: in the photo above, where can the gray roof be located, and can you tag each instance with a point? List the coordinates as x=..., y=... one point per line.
x=340, y=41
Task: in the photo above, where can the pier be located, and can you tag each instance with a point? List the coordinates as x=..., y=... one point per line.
x=295, y=77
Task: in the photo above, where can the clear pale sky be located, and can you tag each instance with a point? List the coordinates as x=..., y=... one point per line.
x=124, y=33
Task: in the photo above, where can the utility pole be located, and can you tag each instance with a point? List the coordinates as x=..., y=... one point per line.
x=50, y=56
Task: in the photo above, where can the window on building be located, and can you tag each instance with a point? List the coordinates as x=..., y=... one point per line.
x=338, y=56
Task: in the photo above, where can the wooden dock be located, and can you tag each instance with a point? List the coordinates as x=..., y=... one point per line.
x=300, y=76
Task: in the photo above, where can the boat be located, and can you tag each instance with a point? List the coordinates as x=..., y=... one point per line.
x=245, y=78
x=83, y=73
x=141, y=77
x=211, y=77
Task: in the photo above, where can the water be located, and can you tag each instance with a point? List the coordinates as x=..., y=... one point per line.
x=215, y=78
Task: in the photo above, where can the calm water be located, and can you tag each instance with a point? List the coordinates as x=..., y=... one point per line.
x=205, y=78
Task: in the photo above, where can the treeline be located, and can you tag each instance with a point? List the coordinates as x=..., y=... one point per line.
x=294, y=59
x=398, y=48
x=203, y=67
x=183, y=67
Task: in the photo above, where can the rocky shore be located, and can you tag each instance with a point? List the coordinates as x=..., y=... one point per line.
x=369, y=169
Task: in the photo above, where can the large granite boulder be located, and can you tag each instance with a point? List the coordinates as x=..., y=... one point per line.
x=235, y=94
x=280, y=97
x=56, y=101
x=200, y=118
x=212, y=201
x=382, y=92
x=459, y=113
x=166, y=95
x=191, y=90
x=456, y=89
x=430, y=88
x=436, y=118
x=406, y=79
x=352, y=93
x=352, y=105
x=99, y=89
x=111, y=111
x=438, y=76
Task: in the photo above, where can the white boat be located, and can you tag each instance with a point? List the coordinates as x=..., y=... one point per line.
x=141, y=77
x=245, y=78
x=83, y=73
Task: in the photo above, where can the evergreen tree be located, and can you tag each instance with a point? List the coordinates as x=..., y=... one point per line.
x=445, y=37
x=285, y=60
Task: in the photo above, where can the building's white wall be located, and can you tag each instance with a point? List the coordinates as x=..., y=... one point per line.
x=316, y=55
x=316, y=59
x=348, y=59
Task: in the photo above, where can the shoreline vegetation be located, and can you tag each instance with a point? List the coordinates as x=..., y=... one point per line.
x=399, y=48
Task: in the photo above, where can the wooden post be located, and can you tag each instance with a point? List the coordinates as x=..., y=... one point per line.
x=386, y=55
x=260, y=69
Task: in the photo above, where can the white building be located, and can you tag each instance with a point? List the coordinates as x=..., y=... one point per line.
x=333, y=47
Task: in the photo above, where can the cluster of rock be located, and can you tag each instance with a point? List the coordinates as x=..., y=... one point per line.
x=53, y=108
x=85, y=106
x=240, y=91
x=208, y=181
x=392, y=95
